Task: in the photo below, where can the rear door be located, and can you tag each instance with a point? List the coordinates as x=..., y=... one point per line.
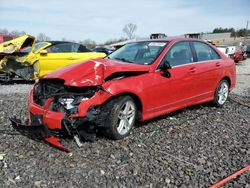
x=208, y=69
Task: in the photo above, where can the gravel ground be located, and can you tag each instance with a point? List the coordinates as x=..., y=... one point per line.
x=193, y=147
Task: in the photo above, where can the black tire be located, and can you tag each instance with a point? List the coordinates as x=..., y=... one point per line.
x=217, y=102
x=112, y=121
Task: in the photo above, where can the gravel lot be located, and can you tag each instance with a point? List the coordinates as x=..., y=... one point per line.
x=194, y=147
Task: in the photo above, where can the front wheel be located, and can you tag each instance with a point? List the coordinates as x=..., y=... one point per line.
x=122, y=118
x=221, y=93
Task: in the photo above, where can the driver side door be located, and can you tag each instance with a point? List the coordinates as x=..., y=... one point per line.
x=168, y=94
x=57, y=56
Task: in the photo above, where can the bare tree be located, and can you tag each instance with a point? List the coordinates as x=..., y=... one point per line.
x=42, y=37
x=18, y=33
x=90, y=44
x=129, y=30
x=112, y=41
x=4, y=31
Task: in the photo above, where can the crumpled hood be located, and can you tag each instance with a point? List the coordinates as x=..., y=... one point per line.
x=15, y=45
x=11, y=49
x=93, y=72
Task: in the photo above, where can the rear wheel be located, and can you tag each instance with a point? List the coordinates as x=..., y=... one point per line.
x=122, y=118
x=221, y=93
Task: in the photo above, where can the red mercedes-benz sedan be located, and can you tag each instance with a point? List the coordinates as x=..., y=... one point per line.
x=139, y=81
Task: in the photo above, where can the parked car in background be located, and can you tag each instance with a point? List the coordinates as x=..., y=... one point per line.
x=227, y=50
x=11, y=59
x=36, y=60
x=232, y=51
x=248, y=50
x=105, y=50
x=137, y=82
x=158, y=35
x=6, y=37
x=238, y=55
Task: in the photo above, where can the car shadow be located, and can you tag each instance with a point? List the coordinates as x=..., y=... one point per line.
x=171, y=114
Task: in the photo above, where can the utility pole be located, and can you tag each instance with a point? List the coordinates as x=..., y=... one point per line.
x=246, y=32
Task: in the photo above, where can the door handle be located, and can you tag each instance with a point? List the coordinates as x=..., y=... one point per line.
x=71, y=58
x=217, y=64
x=192, y=70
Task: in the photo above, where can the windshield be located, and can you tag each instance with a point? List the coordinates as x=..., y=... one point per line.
x=143, y=53
x=37, y=47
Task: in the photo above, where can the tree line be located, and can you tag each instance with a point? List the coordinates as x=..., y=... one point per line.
x=129, y=30
x=234, y=32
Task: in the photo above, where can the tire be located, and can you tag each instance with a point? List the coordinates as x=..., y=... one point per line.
x=221, y=93
x=121, y=118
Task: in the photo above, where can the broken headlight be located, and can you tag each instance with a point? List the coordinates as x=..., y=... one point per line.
x=65, y=97
x=71, y=103
x=67, y=104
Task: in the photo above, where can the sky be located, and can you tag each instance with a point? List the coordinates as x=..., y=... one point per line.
x=101, y=20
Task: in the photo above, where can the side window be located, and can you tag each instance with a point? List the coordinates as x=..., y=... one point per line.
x=82, y=48
x=205, y=52
x=60, y=48
x=179, y=54
x=75, y=47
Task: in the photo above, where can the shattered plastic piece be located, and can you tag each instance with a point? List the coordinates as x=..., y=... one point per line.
x=102, y=172
x=38, y=131
x=2, y=156
x=17, y=178
x=78, y=142
x=55, y=142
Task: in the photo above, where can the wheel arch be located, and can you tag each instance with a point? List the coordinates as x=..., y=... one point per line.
x=135, y=97
x=227, y=79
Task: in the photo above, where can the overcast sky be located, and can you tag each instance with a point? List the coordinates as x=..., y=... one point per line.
x=101, y=20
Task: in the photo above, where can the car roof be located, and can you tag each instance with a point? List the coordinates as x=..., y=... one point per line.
x=53, y=42
x=171, y=39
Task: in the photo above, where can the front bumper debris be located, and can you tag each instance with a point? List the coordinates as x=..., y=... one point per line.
x=37, y=131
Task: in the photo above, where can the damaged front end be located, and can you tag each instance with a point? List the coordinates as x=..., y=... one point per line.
x=17, y=59
x=76, y=100
x=56, y=111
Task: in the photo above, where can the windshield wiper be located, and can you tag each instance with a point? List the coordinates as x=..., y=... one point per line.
x=124, y=60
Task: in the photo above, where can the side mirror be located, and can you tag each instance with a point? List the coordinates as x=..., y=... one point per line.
x=165, y=69
x=43, y=52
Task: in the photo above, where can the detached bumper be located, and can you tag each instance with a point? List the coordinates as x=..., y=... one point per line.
x=37, y=131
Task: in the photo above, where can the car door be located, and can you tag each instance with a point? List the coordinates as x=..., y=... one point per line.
x=208, y=65
x=178, y=90
x=57, y=56
x=81, y=53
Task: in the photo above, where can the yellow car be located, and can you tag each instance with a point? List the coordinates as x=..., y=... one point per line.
x=30, y=61
x=12, y=62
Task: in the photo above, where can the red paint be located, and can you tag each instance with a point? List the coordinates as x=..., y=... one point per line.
x=189, y=84
x=93, y=72
x=6, y=37
x=231, y=177
x=55, y=142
